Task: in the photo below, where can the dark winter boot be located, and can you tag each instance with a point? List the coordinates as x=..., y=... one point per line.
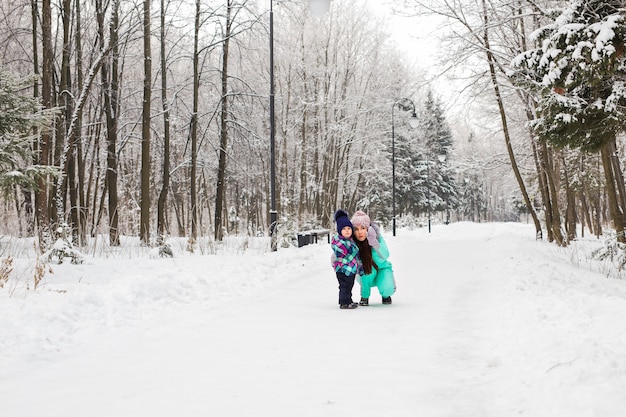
x=348, y=306
x=386, y=300
x=364, y=301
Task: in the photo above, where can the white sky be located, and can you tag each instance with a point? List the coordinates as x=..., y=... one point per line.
x=413, y=35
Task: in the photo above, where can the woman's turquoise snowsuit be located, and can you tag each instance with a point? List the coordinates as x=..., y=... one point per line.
x=383, y=278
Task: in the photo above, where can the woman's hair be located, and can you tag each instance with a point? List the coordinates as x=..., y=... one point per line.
x=365, y=251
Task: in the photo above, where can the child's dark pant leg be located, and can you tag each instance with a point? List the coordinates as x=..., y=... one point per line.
x=346, y=282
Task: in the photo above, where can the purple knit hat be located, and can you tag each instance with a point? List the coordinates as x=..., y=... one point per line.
x=360, y=219
x=342, y=219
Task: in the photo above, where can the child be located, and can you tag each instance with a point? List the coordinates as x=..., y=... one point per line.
x=346, y=262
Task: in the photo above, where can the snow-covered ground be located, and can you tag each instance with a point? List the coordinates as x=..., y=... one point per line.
x=486, y=321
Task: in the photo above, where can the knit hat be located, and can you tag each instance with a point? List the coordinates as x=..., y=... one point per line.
x=360, y=219
x=342, y=219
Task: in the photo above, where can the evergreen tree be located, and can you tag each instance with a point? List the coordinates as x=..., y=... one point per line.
x=474, y=200
x=20, y=116
x=579, y=71
x=437, y=133
x=376, y=202
x=434, y=183
x=404, y=175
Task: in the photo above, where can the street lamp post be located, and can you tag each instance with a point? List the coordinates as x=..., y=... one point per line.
x=413, y=121
x=319, y=9
x=273, y=212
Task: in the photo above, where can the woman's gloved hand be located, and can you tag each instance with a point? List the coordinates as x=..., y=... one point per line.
x=372, y=238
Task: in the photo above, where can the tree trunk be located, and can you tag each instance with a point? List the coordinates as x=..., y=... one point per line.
x=599, y=211
x=302, y=200
x=619, y=177
x=570, y=216
x=47, y=69
x=145, y=130
x=221, y=169
x=538, y=154
x=585, y=206
x=585, y=215
x=95, y=166
x=110, y=85
x=28, y=195
x=161, y=205
x=179, y=209
x=614, y=208
x=80, y=162
x=554, y=200
x=544, y=161
x=505, y=129
x=71, y=136
x=194, y=127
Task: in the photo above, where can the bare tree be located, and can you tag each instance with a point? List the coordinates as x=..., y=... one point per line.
x=334, y=85
x=145, y=130
x=80, y=220
x=194, y=123
x=43, y=148
x=222, y=151
x=110, y=85
x=162, y=202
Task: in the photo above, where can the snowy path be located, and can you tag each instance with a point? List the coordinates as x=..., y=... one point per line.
x=458, y=341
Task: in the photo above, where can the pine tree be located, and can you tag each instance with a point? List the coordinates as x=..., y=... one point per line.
x=474, y=200
x=435, y=183
x=404, y=174
x=579, y=71
x=19, y=116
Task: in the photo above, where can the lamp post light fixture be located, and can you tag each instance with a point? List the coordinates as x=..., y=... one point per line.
x=405, y=104
x=318, y=8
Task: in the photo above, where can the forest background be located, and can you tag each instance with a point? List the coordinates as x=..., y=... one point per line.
x=134, y=118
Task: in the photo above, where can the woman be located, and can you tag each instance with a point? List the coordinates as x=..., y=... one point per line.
x=374, y=254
